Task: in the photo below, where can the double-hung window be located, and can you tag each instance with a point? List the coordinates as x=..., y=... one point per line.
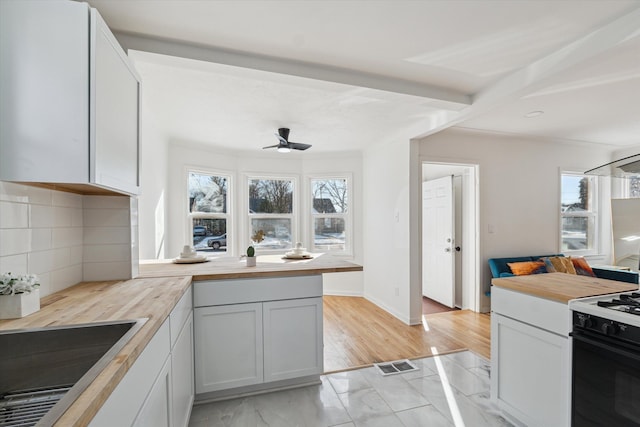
x=579, y=214
x=271, y=212
x=330, y=214
x=209, y=210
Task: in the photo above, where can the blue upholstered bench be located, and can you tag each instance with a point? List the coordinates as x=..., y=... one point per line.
x=499, y=268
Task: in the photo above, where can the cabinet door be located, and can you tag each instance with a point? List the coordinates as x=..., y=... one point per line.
x=292, y=338
x=44, y=91
x=114, y=119
x=530, y=373
x=228, y=346
x=156, y=410
x=182, y=375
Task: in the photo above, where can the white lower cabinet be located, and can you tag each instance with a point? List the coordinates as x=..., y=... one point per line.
x=530, y=359
x=252, y=332
x=292, y=331
x=228, y=346
x=182, y=375
x=156, y=410
x=158, y=389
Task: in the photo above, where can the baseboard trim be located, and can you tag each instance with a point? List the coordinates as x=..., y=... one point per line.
x=388, y=309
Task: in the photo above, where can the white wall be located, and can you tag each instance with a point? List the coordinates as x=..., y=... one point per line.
x=386, y=232
x=519, y=190
x=153, y=178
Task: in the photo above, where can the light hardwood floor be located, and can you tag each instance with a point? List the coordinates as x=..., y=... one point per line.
x=359, y=333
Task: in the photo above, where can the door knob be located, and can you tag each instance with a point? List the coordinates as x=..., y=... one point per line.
x=457, y=248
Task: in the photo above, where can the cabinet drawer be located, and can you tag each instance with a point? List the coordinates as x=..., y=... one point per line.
x=237, y=291
x=542, y=313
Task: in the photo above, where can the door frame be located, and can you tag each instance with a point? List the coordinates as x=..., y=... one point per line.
x=471, y=289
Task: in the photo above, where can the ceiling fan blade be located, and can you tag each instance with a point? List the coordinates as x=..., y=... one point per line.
x=298, y=146
x=281, y=139
x=271, y=146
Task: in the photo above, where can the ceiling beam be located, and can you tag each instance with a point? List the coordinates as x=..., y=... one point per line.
x=541, y=73
x=439, y=97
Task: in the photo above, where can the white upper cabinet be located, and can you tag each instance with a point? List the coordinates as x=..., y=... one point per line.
x=69, y=109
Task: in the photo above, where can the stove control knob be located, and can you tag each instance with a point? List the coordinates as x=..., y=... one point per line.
x=609, y=328
x=585, y=322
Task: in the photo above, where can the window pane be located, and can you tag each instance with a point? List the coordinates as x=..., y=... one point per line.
x=329, y=234
x=276, y=231
x=207, y=193
x=210, y=234
x=576, y=193
x=634, y=187
x=577, y=233
x=329, y=195
x=270, y=196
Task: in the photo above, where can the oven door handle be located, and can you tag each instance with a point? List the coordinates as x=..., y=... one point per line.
x=608, y=346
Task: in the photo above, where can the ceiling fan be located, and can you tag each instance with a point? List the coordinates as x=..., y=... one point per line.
x=285, y=146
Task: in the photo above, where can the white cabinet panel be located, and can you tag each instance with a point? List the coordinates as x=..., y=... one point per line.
x=182, y=375
x=228, y=346
x=292, y=338
x=44, y=82
x=156, y=410
x=114, y=113
x=530, y=358
x=125, y=401
x=531, y=373
x=69, y=109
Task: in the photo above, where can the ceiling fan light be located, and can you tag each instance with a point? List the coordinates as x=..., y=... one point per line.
x=283, y=149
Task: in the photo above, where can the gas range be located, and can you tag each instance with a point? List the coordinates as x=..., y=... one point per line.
x=623, y=307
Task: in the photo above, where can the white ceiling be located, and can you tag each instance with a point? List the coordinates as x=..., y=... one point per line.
x=344, y=75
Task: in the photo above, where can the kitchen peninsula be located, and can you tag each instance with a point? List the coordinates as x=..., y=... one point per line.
x=157, y=358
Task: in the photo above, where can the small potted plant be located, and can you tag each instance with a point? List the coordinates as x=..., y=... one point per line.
x=19, y=295
x=251, y=257
x=257, y=237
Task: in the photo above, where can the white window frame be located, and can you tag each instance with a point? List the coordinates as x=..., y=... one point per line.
x=293, y=216
x=593, y=213
x=228, y=216
x=348, y=216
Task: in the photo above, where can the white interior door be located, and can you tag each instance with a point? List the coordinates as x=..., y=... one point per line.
x=438, y=240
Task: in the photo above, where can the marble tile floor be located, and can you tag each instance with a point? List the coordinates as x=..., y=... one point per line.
x=448, y=390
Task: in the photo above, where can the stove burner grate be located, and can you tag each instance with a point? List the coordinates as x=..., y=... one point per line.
x=627, y=303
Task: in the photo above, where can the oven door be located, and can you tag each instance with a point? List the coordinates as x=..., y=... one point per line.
x=606, y=382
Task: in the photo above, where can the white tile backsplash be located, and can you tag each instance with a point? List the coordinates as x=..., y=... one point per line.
x=106, y=202
x=66, y=238
x=40, y=216
x=106, y=217
x=13, y=192
x=69, y=200
x=106, y=235
x=106, y=253
x=15, y=241
x=106, y=270
x=41, y=239
x=14, y=215
x=16, y=264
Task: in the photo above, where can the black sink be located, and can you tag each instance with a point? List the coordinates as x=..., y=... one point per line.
x=43, y=370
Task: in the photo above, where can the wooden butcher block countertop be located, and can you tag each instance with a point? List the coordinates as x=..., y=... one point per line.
x=235, y=268
x=107, y=301
x=562, y=287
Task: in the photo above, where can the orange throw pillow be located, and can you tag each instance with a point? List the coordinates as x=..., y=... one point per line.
x=527, y=267
x=582, y=267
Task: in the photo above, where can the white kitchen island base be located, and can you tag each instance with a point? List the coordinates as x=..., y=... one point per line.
x=257, y=334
